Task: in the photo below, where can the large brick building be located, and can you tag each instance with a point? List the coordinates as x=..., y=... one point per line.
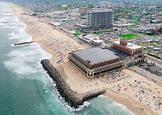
x=126, y=47
x=135, y=53
x=94, y=61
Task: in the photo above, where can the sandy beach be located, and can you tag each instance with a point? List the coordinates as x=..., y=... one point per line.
x=50, y=39
x=138, y=94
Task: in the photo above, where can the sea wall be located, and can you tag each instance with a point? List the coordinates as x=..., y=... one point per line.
x=73, y=98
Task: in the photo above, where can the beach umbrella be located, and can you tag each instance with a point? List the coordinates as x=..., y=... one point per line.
x=139, y=82
x=159, y=103
x=158, y=91
x=142, y=91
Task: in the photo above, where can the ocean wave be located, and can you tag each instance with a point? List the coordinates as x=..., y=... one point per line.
x=20, y=67
x=6, y=14
x=12, y=36
x=108, y=107
x=45, y=54
x=66, y=104
x=26, y=60
x=6, y=18
x=22, y=35
x=102, y=96
x=122, y=107
x=2, y=19
x=1, y=24
x=15, y=19
x=22, y=24
x=12, y=27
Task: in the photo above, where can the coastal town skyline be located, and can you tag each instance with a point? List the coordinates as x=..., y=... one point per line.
x=71, y=57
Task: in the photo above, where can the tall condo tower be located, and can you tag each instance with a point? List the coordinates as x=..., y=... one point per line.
x=101, y=18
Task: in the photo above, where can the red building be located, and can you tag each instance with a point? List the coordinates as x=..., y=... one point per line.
x=126, y=47
x=154, y=30
x=136, y=52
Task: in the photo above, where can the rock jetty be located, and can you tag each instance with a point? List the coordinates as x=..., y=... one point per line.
x=21, y=43
x=73, y=98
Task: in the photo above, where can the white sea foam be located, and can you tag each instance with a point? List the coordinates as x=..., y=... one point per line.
x=12, y=36
x=12, y=45
x=1, y=19
x=66, y=104
x=102, y=96
x=22, y=24
x=14, y=24
x=12, y=27
x=26, y=60
x=1, y=24
x=15, y=19
x=22, y=35
x=6, y=18
x=6, y=14
x=113, y=105
x=122, y=107
x=18, y=64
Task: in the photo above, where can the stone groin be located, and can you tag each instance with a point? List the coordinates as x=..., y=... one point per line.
x=73, y=98
x=22, y=43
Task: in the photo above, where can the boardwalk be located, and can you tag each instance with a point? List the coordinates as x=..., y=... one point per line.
x=147, y=74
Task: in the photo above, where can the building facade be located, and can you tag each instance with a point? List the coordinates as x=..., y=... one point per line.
x=135, y=53
x=83, y=11
x=96, y=61
x=126, y=5
x=100, y=18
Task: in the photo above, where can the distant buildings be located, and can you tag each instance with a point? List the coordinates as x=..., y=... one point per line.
x=83, y=11
x=105, y=5
x=91, y=39
x=97, y=19
x=152, y=28
x=109, y=5
x=126, y=5
x=100, y=18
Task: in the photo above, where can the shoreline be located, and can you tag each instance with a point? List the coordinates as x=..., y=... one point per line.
x=128, y=102
x=40, y=36
x=117, y=97
x=73, y=98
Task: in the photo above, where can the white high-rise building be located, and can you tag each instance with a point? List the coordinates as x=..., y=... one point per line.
x=101, y=18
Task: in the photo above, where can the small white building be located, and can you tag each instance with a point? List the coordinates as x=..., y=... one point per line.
x=89, y=38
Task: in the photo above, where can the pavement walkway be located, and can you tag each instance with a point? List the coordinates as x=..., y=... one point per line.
x=147, y=74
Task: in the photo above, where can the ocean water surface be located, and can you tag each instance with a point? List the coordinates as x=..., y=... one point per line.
x=25, y=88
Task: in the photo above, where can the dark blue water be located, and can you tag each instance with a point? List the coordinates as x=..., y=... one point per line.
x=25, y=88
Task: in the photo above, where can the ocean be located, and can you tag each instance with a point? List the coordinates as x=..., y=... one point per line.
x=25, y=88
